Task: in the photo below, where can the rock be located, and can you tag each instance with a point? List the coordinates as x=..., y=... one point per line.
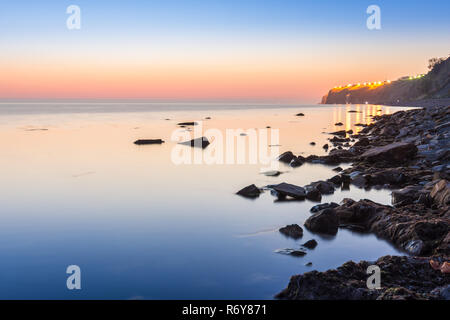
x=398, y=152
x=414, y=247
x=285, y=189
x=339, y=124
x=148, y=141
x=297, y=162
x=274, y=173
x=292, y=252
x=362, y=142
x=341, y=133
x=325, y=221
x=201, y=142
x=293, y=231
x=325, y=146
x=189, y=123
x=337, y=180
x=286, y=157
x=312, y=143
x=313, y=194
x=441, y=193
x=323, y=187
x=323, y=206
x=311, y=244
x=349, y=281
x=309, y=264
x=338, y=169
x=250, y=191
x=406, y=195
x=300, y=114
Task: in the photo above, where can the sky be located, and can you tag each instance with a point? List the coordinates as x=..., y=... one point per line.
x=271, y=50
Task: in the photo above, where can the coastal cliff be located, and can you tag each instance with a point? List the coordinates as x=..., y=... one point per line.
x=409, y=90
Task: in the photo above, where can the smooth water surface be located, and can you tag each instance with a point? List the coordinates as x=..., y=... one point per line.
x=76, y=190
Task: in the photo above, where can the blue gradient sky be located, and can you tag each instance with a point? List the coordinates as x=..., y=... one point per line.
x=262, y=50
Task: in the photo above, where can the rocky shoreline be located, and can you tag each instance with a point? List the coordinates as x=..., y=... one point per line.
x=408, y=152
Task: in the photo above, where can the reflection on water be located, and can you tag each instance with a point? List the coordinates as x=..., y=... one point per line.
x=138, y=225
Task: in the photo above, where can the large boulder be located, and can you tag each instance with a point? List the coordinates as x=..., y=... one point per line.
x=325, y=221
x=397, y=152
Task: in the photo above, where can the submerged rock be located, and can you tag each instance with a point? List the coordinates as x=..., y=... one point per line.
x=293, y=231
x=250, y=191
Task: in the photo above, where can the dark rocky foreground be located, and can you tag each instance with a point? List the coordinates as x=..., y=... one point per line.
x=408, y=152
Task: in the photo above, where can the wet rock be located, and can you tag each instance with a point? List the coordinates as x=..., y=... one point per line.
x=414, y=247
x=348, y=282
x=312, y=143
x=362, y=142
x=313, y=194
x=338, y=169
x=337, y=180
x=292, y=252
x=289, y=190
x=323, y=206
x=300, y=114
x=405, y=196
x=148, y=141
x=339, y=124
x=274, y=173
x=311, y=244
x=398, y=152
x=297, y=162
x=325, y=221
x=341, y=133
x=201, y=142
x=441, y=193
x=325, y=146
x=250, y=191
x=323, y=187
x=189, y=123
x=286, y=157
x=293, y=231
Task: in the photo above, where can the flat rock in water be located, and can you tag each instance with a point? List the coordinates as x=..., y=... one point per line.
x=341, y=133
x=148, y=141
x=393, y=153
x=290, y=190
x=273, y=173
x=189, y=123
x=294, y=231
x=292, y=252
x=300, y=114
x=313, y=194
x=198, y=143
x=250, y=191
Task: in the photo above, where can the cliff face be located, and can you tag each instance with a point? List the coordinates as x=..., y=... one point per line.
x=434, y=85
